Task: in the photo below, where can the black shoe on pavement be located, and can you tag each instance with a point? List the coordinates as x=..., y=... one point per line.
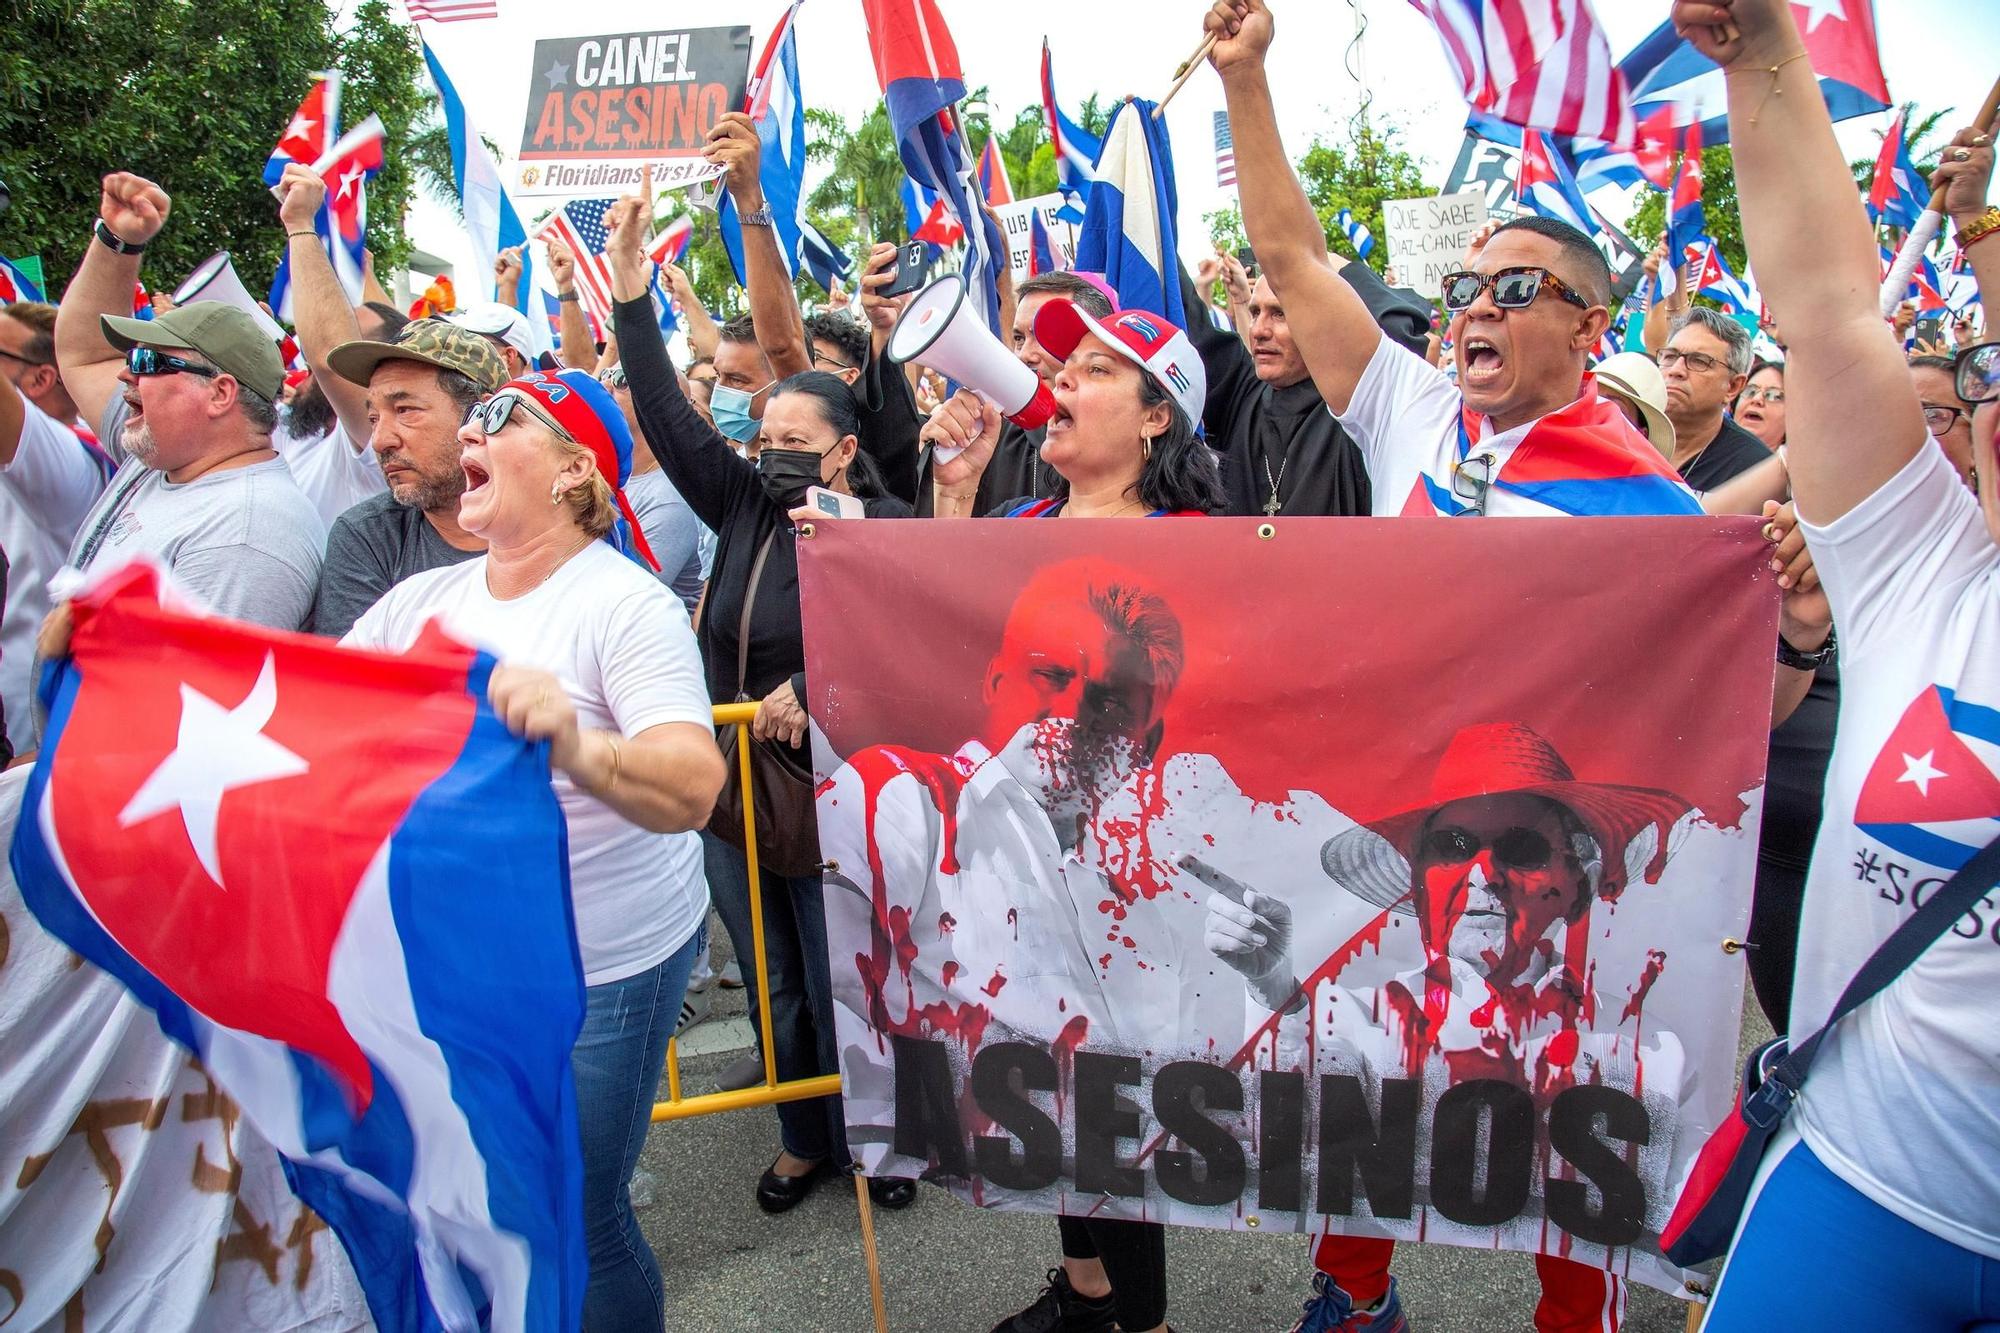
x=781, y=1194
x=1060, y=1309
x=894, y=1192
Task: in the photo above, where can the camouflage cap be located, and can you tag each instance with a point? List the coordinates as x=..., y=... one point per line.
x=431, y=341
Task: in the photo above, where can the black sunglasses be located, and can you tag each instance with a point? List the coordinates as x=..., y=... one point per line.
x=1513, y=288
x=1516, y=849
x=1976, y=377
x=152, y=361
x=491, y=414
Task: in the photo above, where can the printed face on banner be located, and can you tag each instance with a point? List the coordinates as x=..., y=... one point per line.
x=1392, y=904
x=600, y=109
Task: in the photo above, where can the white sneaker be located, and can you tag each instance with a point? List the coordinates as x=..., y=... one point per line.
x=695, y=1008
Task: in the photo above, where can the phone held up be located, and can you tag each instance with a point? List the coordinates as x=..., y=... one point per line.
x=909, y=271
x=833, y=504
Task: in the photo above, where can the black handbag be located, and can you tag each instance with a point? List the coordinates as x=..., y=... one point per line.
x=1711, y=1205
x=781, y=785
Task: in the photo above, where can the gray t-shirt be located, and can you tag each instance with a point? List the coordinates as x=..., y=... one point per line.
x=374, y=546
x=671, y=530
x=245, y=540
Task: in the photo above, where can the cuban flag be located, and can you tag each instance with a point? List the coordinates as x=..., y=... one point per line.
x=1687, y=223
x=1672, y=82
x=342, y=224
x=1043, y=257
x=671, y=244
x=1076, y=151
x=993, y=182
x=1926, y=286
x=268, y=839
x=16, y=285
x=916, y=62
x=1545, y=185
x=775, y=103
x=312, y=129
x=1594, y=162
x=1893, y=196
x=1719, y=282
x=926, y=219
x=828, y=263
x=1357, y=233
x=1128, y=227
x=492, y=223
x=1586, y=459
x=1932, y=793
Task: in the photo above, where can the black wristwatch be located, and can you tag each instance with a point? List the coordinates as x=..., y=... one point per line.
x=1812, y=661
x=113, y=242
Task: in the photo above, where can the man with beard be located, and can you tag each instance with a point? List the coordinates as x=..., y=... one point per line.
x=191, y=398
x=335, y=470
x=419, y=387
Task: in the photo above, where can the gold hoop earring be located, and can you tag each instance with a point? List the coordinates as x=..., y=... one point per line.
x=555, y=492
x=1146, y=448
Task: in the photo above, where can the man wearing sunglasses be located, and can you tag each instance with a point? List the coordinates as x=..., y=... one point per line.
x=190, y=399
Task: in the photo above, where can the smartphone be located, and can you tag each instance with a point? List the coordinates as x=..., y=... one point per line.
x=1247, y=259
x=909, y=271
x=833, y=504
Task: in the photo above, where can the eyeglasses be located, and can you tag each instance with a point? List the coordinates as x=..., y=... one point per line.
x=1513, y=288
x=491, y=414
x=1471, y=478
x=614, y=378
x=24, y=360
x=1755, y=394
x=829, y=364
x=144, y=361
x=1515, y=849
x=1939, y=419
x=1703, y=362
x=1976, y=377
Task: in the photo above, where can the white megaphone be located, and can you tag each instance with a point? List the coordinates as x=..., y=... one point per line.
x=216, y=280
x=942, y=332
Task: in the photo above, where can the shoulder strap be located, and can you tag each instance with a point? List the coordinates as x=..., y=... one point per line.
x=1893, y=956
x=749, y=604
x=114, y=505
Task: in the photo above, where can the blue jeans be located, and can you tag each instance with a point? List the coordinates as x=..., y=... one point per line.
x=1814, y=1252
x=617, y=1062
x=801, y=999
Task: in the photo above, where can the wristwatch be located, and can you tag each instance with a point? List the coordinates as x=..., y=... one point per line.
x=1812, y=661
x=569, y=296
x=761, y=218
x=112, y=241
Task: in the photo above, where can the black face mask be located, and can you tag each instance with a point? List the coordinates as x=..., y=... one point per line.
x=786, y=473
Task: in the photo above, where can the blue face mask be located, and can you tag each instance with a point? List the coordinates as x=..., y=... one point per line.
x=731, y=410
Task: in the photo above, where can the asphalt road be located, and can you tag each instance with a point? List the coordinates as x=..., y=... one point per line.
x=951, y=1268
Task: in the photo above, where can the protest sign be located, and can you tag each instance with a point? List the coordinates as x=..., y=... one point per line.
x=1015, y=221
x=600, y=109
x=1496, y=840
x=1428, y=237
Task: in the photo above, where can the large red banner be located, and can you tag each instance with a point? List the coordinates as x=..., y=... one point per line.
x=1348, y=874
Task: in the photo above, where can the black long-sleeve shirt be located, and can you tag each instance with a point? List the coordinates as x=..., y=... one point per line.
x=722, y=489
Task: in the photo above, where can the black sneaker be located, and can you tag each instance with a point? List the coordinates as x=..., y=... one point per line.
x=1060, y=1310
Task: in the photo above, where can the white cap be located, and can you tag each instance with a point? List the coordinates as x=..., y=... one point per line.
x=494, y=320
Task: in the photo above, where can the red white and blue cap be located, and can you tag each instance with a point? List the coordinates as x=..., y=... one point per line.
x=588, y=414
x=1159, y=348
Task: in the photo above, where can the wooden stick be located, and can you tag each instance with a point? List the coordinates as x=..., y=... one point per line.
x=1984, y=123
x=1697, y=1312
x=1186, y=71
x=868, y=1251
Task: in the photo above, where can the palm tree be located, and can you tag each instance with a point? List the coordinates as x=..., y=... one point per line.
x=865, y=171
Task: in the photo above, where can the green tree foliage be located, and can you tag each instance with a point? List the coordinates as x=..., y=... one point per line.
x=192, y=95
x=1357, y=174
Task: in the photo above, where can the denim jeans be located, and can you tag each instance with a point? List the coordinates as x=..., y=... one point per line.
x=801, y=998
x=617, y=1063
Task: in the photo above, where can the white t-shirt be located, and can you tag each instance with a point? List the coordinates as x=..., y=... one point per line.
x=334, y=476
x=1904, y=1100
x=621, y=645
x=44, y=494
x=1585, y=459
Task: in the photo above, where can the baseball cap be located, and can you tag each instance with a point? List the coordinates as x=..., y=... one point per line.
x=494, y=320
x=220, y=332
x=435, y=342
x=1633, y=377
x=1159, y=348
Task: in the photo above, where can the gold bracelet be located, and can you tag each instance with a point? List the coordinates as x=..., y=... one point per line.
x=1979, y=228
x=1772, y=70
x=612, y=740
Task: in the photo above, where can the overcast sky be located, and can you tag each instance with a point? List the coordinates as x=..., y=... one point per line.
x=1939, y=52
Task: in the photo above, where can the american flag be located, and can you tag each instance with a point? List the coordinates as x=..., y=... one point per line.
x=1541, y=64
x=579, y=224
x=1225, y=151
x=452, y=11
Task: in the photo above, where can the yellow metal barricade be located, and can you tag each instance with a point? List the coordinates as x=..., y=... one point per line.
x=770, y=1092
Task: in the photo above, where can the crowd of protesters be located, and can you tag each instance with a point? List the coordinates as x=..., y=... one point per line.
x=623, y=531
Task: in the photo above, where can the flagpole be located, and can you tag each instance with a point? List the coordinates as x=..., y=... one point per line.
x=1186, y=71
x=1920, y=236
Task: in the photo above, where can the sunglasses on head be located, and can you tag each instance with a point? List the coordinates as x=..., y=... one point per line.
x=1513, y=288
x=490, y=414
x=1976, y=376
x=152, y=361
x=1515, y=849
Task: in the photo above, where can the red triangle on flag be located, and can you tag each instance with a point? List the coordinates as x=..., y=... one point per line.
x=1926, y=774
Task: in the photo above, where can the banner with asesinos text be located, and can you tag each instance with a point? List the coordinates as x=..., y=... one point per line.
x=1359, y=875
